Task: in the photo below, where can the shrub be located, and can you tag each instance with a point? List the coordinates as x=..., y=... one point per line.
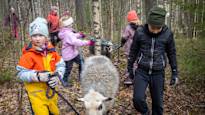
x=5, y=75
x=191, y=55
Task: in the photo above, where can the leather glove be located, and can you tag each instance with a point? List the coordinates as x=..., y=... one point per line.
x=131, y=75
x=174, y=78
x=53, y=81
x=91, y=43
x=41, y=77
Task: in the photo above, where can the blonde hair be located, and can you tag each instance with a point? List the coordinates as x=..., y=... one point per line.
x=137, y=22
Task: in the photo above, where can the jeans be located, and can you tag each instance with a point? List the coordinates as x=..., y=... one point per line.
x=156, y=85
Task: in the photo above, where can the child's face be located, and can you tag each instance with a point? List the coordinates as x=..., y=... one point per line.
x=154, y=29
x=38, y=40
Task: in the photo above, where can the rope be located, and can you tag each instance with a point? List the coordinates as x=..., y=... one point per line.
x=59, y=94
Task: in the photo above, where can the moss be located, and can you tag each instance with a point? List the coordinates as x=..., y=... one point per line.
x=5, y=75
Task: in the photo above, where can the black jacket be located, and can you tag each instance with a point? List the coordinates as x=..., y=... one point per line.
x=151, y=50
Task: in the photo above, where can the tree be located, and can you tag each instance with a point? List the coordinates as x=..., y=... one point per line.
x=80, y=14
x=97, y=23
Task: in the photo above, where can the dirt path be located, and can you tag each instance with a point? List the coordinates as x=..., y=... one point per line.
x=177, y=101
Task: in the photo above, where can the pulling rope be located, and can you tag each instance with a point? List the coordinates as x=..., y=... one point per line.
x=59, y=94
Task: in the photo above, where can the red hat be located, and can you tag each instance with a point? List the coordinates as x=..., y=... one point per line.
x=132, y=15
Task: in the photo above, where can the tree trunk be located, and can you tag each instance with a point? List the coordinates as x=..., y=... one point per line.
x=80, y=14
x=148, y=5
x=96, y=24
x=111, y=20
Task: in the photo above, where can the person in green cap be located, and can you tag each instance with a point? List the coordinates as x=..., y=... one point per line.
x=153, y=43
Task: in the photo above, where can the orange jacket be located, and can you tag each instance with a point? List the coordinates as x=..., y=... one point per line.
x=53, y=22
x=33, y=59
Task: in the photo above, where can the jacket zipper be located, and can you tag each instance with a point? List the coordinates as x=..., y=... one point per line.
x=152, y=56
x=140, y=58
x=163, y=62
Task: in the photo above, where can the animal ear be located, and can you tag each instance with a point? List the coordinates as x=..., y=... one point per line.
x=81, y=99
x=107, y=99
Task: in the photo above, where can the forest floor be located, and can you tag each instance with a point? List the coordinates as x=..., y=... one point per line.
x=179, y=100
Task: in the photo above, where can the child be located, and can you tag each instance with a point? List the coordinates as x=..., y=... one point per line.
x=53, y=25
x=70, y=44
x=13, y=21
x=38, y=61
x=127, y=37
x=152, y=43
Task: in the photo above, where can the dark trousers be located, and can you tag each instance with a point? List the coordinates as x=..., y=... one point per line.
x=69, y=66
x=54, y=38
x=156, y=85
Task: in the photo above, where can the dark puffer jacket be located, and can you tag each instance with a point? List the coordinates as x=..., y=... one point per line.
x=151, y=50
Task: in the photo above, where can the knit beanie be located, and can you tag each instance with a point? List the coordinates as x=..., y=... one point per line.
x=39, y=26
x=156, y=16
x=66, y=21
x=54, y=8
x=132, y=16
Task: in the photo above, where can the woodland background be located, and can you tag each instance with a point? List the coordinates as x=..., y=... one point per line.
x=105, y=19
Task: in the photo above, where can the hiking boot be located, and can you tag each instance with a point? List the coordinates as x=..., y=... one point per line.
x=128, y=81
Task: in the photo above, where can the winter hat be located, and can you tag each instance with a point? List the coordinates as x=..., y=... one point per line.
x=54, y=8
x=132, y=16
x=38, y=26
x=66, y=13
x=156, y=16
x=66, y=21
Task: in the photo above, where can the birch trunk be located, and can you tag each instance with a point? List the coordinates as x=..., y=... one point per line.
x=21, y=24
x=96, y=24
x=111, y=19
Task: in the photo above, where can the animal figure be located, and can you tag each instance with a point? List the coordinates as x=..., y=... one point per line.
x=99, y=84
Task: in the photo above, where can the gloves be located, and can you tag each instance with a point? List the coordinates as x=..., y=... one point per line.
x=41, y=77
x=123, y=41
x=82, y=35
x=91, y=43
x=131, y=75
x=174, y=78
x=53, y=81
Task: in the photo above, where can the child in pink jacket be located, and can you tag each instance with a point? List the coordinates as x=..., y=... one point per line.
x=127, y=37
x=70, y=44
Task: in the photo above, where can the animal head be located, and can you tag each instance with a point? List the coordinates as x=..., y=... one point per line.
x=94, y=102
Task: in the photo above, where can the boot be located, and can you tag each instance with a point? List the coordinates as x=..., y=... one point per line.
x=128, y=81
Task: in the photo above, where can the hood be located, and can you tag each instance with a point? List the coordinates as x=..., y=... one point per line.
x=63, y=31
x=53, y=13
x=31, y=48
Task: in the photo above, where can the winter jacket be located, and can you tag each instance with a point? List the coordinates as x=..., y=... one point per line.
x=151, y=50
x=13, y=20
x=70, y=43
x=53, y=22
x=128, y=35
x=32, y=61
